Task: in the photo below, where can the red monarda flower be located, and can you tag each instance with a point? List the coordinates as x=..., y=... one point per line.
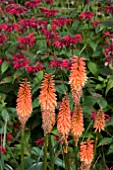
x=2, y=149
x=20, y=61
x=77, y=77
x=109, y=9
x=99, y=121
x=49, y=12
x=24, y=102
x=9, y=136
x=32, y=3
x=77, y=125
x=28, y=40
x=86, y=154
x=15, y=9
x=86, y=15
x=64, y=120
x=47, y=100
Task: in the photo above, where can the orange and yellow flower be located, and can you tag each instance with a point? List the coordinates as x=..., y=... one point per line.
x=24, y=102
x=99, y=122
x=77, y=77
x=64, y=120
x=47, y=100
x=77, y=124
x=86, y=154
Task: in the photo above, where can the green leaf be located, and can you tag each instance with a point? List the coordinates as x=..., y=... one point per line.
x=93, y=45
x=37, y=166
x=4, y=66
x=109, y=86
x=35, y=103
x=40, y=75
x=110, y=149
x=3, y=96
x=102, y=103
x=61, y=89
x=109, y=124
x=6, y=80
x=59, y=162
x=100, y=78
x=36, y=151
x=93, y=68
x=5, y=115
x=8, y=167
x=28, y=162
x=105, y=141
x=89, y=101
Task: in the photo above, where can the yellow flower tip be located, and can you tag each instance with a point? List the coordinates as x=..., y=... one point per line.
x=99, y=122
x=86, y=152
x=47, y=100
x=24, y=102
x=77, y=123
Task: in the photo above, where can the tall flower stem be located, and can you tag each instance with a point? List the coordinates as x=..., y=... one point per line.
x=76, y=153
x=66, y=159
x=45, y=152
x=51, y=153
x=95, y=145
x=22, y=148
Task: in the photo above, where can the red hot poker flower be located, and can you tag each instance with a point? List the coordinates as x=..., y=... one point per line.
x=64, y=120
x=24, y=102
x=86, y=154
x=47, y=100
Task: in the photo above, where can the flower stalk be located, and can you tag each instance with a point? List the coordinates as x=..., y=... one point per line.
x=66, y=160
x=45, y=152
x=22, y=148
x=51, y=153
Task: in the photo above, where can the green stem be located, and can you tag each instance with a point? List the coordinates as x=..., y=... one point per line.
x=76, y=153
x=4, y=143
x=66, y=159
x=63, y=82
x=22, y=148
x=45, y=152
x=51, y=153
x=95, y=145
x=86, y=131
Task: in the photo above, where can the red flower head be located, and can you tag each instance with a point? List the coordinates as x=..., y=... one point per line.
x=86, y=15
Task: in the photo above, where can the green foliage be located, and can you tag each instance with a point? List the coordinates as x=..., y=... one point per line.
x=51, y=51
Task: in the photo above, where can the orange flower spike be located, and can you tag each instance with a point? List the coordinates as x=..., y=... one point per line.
x=24, y=102
x=78, y=76
x=86, y=151
x=77, y=124
x=64, y=119
x=99, y=121
x=47, y=100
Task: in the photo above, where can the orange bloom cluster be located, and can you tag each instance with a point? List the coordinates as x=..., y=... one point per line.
x=77, y=124
x=86, y=154
x=47, y=100
x=64, y=119
x=77, y=77
x=24, y=102
x=99, y=121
